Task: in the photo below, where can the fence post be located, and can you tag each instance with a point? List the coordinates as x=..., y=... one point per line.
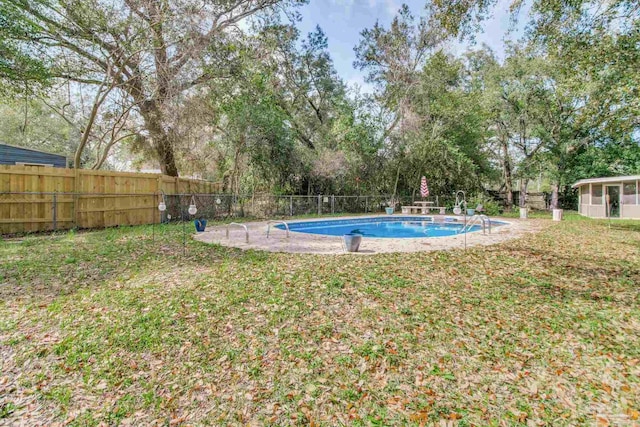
x=55, y=211
x=76, y=196
x=159, y=189
x=290, y=205
x=319, y=204
x=333, y=202
x=366, y=204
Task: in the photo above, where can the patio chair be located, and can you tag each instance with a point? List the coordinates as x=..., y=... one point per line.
x=480, y=209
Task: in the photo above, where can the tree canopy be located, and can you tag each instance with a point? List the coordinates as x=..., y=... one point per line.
x=233, y=91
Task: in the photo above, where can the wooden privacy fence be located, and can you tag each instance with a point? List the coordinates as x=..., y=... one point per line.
x=36, y=198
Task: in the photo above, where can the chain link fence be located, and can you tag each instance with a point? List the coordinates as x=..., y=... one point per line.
x=25, y=212
x=220, y=206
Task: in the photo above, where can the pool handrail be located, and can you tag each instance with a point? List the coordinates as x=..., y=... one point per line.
x=246, y=230
x=274, y=221
x=487, y=219
x=477, y=219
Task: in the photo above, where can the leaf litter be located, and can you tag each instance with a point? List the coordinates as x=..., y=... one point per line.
x=542, y=330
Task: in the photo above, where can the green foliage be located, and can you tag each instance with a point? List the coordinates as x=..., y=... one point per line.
x=288, y=122
x=436, y=127
x=30, y=123
x=491, y=207
x=577, y=85
x=610, y=159
x=7, y=409
x=263, y=109
x=22, y=64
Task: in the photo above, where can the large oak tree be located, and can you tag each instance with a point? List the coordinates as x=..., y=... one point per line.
x=157, y=52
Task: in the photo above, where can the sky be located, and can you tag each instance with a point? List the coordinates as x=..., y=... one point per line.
x=343, y=20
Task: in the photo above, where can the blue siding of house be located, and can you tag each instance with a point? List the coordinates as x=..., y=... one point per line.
x=12, y=155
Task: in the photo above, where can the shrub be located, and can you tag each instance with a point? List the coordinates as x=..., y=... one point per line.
x=491, y=207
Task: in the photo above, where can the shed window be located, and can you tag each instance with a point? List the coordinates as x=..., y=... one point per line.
x=629, y=193
x=596, y=194
x=584, y=195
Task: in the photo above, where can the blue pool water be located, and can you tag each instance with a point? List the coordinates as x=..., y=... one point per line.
x=381, y=227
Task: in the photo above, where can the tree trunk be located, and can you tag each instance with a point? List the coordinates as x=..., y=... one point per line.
x=524, y=183
x=162, y=142
x=235, y=186
x=508, y=178
x=86, y=132
x=554, y=196
x=395, y=186
x=508, y=185
x=225, y=182
x=166, y=157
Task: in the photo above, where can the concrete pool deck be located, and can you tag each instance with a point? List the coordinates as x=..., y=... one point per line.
x=321, y=244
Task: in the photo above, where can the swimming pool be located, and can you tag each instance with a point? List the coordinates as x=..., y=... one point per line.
x=383, y=227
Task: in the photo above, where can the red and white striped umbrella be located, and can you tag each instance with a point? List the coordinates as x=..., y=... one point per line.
x=424, y=189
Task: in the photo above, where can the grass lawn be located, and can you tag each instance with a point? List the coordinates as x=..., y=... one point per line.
x=111, y=327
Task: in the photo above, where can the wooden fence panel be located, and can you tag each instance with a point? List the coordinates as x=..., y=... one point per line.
x=98, y=199
x=169, y=185
x=34, y=212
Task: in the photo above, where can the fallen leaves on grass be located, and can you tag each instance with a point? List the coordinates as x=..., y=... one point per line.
x=537, y=331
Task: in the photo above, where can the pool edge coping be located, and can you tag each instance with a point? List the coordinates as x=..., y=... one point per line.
x=502, y=222
x=307, y=243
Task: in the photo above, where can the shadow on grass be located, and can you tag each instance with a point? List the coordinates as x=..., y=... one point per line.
x=48, y=266
x=40, y=267
x=592, y=278
x=626, y=226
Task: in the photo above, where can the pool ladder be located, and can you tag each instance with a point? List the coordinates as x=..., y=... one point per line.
x=246, y=230
x=286, y=226
x=477, y=219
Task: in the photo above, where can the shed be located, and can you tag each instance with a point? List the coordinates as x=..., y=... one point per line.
x=623, y=195
x=12, y=155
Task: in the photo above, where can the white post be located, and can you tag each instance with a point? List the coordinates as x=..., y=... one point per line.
x=580, y=199
x=590, y=199
x=621, y=199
